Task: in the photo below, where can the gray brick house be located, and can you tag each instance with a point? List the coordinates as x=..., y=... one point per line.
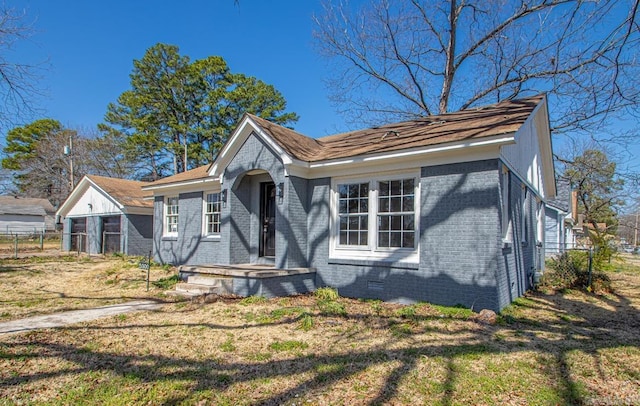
x=447, y=209
x=104, y=215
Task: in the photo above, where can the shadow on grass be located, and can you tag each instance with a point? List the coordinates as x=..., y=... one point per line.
x=591, y=329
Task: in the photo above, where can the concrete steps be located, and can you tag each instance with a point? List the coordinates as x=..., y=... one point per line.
x=202, y=285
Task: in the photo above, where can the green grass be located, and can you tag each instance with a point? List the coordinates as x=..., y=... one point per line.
x=167, y=283
x=288, y=345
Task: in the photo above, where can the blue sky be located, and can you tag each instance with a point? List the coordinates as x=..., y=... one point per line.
x=90, y=47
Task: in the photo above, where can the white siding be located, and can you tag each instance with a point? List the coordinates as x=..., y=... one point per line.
x=13, y=223
x=100, y=204
x=524, y=157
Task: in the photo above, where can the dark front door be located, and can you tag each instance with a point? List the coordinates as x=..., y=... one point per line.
x=111, y=234
x=268, y=220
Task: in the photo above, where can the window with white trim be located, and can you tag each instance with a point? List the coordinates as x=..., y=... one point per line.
x=506, y=206
x=353, y=214
x=171, y=215
x=376, y=218
x=524, y=225
x=396, y=213
x=212, y=208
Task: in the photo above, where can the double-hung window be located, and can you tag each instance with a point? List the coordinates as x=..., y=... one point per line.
x=212, y=206
x=171, y=215
x=376, y=218
x=396, y=213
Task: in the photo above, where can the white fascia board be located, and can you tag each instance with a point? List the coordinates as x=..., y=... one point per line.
x=138, y=210
x=463, y=151
x=80, y=188
x=185, y=186
x=237, y=139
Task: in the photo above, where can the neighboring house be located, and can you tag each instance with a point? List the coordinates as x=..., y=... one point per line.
x=103, y=215
x=447, y=209
x=22, y=215
x=560, y=234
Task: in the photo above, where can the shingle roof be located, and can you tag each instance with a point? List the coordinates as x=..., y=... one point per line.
x=501, y=118
x=25, y=206
x=200, y=172
x=127, y=192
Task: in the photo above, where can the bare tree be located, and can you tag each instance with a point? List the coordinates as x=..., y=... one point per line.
x=406, y=58
x=17, y=78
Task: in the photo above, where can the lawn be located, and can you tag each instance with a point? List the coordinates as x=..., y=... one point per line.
x=547, y=348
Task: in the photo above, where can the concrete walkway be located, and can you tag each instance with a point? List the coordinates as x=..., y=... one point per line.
x=74, y=316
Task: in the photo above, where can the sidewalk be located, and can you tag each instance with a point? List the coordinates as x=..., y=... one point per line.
x=74, y=316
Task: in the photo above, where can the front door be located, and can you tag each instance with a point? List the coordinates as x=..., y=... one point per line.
x=267, y=219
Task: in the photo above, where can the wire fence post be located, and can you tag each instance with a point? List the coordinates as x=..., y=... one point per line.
x=148, y=270
x=590, y=267
x=42, y=241
x=16, y=246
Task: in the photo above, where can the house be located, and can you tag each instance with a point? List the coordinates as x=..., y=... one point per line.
x=103, y=215
x=22, y=215
x=447, y=209
x=560, y=233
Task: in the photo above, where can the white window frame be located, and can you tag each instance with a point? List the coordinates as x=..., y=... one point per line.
x=371, y=251
x=524, y=224
x=166, y=215
x=507, y=234
x=205, y=213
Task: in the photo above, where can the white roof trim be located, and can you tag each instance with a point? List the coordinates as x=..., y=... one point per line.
x=243, y=131
x=77, y=192
x=495, y=140
x=180, y=184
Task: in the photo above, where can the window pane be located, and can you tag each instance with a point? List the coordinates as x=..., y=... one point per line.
x=395, y=240
x=383, y=204
x=396, y=204
x=396, y=222
x=364, y=237
x=408, y=186
x=353, y=223
x=343, y=238
x=383, y=188
x=384, y=223
x=364, y=205
x=343, y=190
x=383, y=239
x=408, y=222
x=353, y=238
x=407, y=203
x=353, y=206
x=354, y=190
x=343, y=223
x=396, y=187
x=342, y=206
x=364, y=189
x=408, y=240
x=364, y=222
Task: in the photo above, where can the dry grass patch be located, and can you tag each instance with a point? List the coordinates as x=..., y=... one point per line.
x=43, y=285
x=571, y=348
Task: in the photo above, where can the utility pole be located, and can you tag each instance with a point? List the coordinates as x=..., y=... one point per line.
x=635, y=232
x=68, y=150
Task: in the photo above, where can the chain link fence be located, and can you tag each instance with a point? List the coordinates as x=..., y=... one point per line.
x=14, y=244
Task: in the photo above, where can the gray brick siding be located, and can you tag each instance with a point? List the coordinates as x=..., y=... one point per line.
x=189, y=247
x=137, y=230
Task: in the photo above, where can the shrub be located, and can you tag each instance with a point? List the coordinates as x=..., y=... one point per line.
x=326, y=294
x=571, y=271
